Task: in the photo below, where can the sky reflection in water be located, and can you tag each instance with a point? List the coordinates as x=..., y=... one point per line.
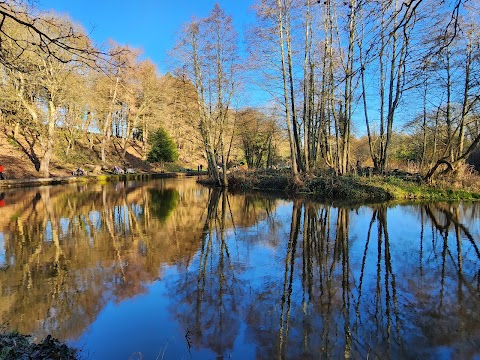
x=168, y=269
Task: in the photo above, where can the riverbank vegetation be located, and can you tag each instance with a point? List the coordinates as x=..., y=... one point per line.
x=354, y=188
x=15, y=346
x=356, y=88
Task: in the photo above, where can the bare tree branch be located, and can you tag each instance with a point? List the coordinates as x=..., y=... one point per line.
x=44, y=35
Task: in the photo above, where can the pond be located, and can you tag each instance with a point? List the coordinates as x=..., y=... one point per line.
x=168, y=269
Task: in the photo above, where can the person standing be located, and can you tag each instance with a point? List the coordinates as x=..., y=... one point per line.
x=2, y=177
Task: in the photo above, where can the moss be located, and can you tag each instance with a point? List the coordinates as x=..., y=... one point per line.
x=343, y=188
x=404, y=189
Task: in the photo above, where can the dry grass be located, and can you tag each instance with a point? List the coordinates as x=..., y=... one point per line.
x=465, y=177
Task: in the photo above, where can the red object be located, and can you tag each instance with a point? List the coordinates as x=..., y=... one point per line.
x=2, y=203
x=1, y=168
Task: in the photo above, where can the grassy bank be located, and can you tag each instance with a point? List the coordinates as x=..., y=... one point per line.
x=349, y=188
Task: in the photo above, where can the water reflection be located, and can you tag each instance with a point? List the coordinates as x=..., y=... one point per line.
x=248, y=276
x=336, y=294
x=68, y=251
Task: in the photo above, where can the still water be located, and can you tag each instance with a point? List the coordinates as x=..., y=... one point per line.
x=168, y=269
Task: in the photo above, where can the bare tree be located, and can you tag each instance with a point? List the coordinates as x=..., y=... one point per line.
x=209, y=59
x=40, y=83
x=274, y=35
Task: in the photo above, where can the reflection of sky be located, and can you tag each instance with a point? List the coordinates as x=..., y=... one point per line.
x=140, y=325
x=404, y=230
x=149, y=324
x=155, y=323
x=2, y=249
x=143, y=328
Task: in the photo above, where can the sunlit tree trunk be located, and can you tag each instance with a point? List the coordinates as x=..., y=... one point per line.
x=50, y=140
x=287, y=90
x=307, y=88
x=348, y=91
x=466, y=88
x=449, y=105
x=326, y=107
x=398, y=40
x=107, y=125
x=424, y=121
x=371, y=149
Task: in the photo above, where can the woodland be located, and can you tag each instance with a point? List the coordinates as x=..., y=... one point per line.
x=353, y=85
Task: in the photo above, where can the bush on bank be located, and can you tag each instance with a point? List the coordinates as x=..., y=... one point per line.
x=350, y=188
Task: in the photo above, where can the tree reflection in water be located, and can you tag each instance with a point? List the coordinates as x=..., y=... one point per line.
x=339, y=295
x=71, y=250
x=249, y=276
x=209, y=295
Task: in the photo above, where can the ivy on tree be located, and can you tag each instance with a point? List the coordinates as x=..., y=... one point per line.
x=163, y=149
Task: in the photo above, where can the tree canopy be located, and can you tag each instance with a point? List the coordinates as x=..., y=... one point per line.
x=337, y=72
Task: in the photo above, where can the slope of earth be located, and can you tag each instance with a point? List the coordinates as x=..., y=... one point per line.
x=20, y=156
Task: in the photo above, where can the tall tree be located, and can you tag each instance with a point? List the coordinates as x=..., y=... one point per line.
x=209, y=58
x=40, y=82
x=274, y=35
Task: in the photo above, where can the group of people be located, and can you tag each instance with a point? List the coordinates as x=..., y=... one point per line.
x=79, y=172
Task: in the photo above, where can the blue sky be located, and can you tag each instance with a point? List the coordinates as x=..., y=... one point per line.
x=151, y=25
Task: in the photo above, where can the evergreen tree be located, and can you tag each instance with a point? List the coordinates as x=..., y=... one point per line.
x=163, y=149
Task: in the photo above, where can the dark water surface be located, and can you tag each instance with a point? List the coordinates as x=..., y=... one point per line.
x=168, y=269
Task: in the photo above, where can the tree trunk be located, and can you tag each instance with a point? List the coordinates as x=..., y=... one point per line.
x=291, y=87
x=465, y=106
x=307, y=88
x=288, y=116
x=451, y=166
x=48, y=151
x=108, y=123
x=373, y=156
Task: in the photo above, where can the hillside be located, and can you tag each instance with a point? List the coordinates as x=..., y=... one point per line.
x=19, y=157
